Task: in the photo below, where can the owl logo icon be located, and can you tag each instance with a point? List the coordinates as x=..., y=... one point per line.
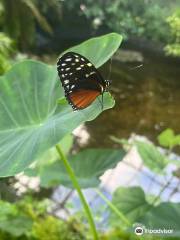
x=139, y=231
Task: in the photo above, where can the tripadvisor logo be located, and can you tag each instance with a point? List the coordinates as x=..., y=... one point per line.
x=140, y=230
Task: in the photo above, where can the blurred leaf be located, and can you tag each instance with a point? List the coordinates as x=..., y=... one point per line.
x=150, y=199
x=99, y=49
x=88, y=166
x=6, y=49
x=4, y=64
x=39, y=17
x=173, y=48
x=168, y=139
x=29, y=219
x=131, y=202
x=61, y=100
x=164, y=216
x=176, y=140
x=20, y=18
x=151, y=157
x=6, y=209
x=66, y=143
x=6, y=44
x=13, y=222
x=31, y=121
x=16, y=226
x=50, y=156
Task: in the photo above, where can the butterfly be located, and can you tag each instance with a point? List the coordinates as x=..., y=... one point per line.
x=80, y=79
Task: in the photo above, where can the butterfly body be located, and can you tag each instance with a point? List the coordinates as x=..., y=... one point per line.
x=80, y=79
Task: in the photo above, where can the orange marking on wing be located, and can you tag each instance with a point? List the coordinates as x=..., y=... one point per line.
x=83, y=98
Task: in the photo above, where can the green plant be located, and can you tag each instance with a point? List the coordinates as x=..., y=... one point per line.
x=168, y=139
x=6, y=49
x=16, y=15
x=145, y=19
x=138, y=207
x=130, y=206
x=32, y=121
x=88, y=166
x=173, y=48
x=36, y=118
x=28, y=219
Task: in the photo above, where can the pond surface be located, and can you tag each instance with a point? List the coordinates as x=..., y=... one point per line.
x=147, y=101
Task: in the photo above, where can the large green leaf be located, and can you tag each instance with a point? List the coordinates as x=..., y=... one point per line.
x=152, y=157
x=31, y=122
x=98, y=50
x=50, y=156
x=164, y=216
x=88, y=166
x=131, y=202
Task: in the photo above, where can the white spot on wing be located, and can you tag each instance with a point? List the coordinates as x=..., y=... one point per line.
x=91, y=73
x=89, y=64
x=79, y=68
x=68, y=59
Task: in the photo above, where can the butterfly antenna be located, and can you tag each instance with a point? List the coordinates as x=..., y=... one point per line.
x=139, y=66
x=110, y=68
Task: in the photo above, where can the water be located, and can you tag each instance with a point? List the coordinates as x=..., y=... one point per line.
x=147, y=101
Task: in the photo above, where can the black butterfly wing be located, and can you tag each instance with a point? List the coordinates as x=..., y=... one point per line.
x=80, y=79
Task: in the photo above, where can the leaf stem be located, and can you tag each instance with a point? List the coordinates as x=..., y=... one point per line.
x=77, y=187
x=114, y=208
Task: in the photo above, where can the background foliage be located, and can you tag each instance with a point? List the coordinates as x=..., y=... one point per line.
x=50, y=22
x=34, y=116
x=173, y=48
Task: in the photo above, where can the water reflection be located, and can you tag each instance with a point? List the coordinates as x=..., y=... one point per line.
x=147, y=101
